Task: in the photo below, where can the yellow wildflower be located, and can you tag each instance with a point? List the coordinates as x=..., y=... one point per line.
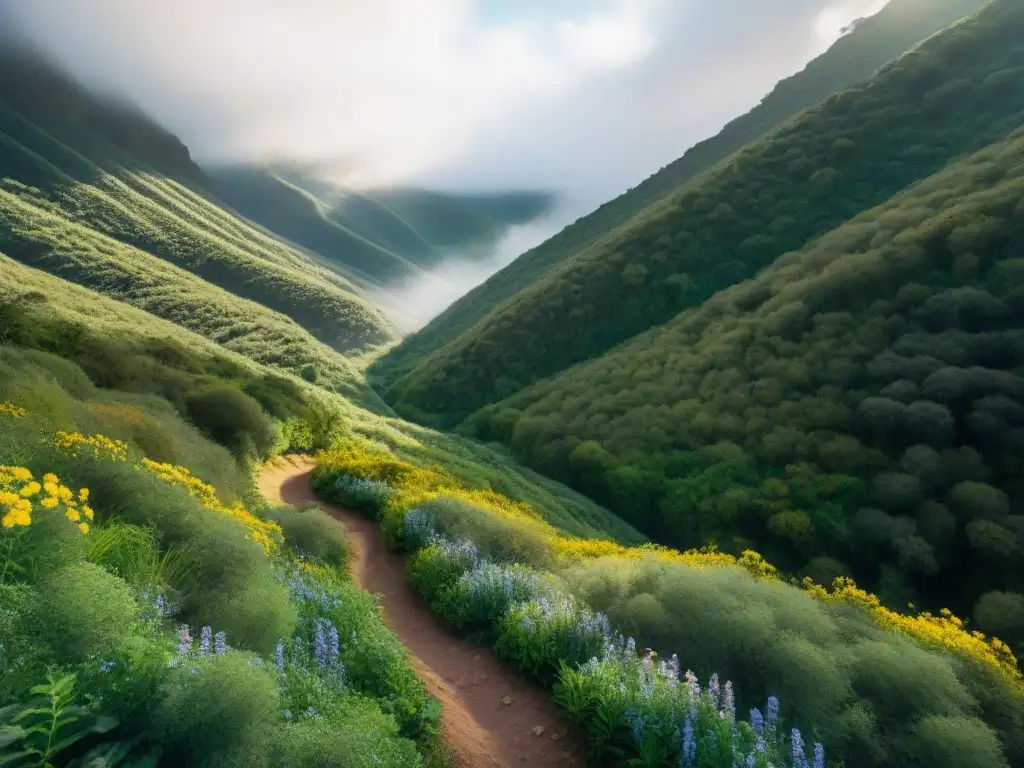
x=88, y=512
x=9, y=409
x=51, y=487
x=50, y=479
x=73, y=515
x=49, y=502
x=30, y=490
x=83, y=494
x=83, y=527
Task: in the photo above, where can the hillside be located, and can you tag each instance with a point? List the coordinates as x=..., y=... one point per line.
x=385, y=236
x=858, y=407
x=98, y=195
x=956, y=92
x=875, y=41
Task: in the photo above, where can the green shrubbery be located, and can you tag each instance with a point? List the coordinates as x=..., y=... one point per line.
x=188, y=641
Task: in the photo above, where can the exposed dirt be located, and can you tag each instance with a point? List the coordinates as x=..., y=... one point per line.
x=481, y=730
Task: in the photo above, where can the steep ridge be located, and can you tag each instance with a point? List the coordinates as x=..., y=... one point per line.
x=873, y=42
x=98, y=195
x=858, y=406
x=956, y=92
x=385, y=236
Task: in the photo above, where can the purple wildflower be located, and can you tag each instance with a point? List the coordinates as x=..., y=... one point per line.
x=751, y=761
x=773, y=712
x=799, y=760
x=333, y=645
x=691, y=680
x=320, y=644
x=106, y=666
x=714, y=690
x=819, y=756
x=220, y=642
x=729, y=702
x=204, y=640
x=161, y=604
x=689, y=745
x=757, y=720
x=184, y=639
x=279, y=655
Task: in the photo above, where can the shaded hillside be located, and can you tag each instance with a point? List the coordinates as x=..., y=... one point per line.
x=386, y=236
x=857, y=55
x=76, y=200
x=956, y=92
x=858, y=406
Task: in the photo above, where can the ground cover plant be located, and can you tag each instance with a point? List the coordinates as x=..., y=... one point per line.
x=148, y=618
x=877, y=687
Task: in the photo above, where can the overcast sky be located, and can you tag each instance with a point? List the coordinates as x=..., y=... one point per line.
x=583, y=97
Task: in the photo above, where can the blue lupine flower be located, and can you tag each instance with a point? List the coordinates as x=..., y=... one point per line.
x=279, y=655
x=311, y=712
x=204, y=640
x=773, y=712
x=751, y=761
x=689, y=744
x=714, y=690
x=691, y=680
x=184, y=639
x=631, y=645
x=320, y=644
x=161, y=604
x=286, y=714
x=333, y=645
x=757, y=720
x=797, y=741
x=106, y=666
x=220, y=642
x=729, y=702
x=819, y=756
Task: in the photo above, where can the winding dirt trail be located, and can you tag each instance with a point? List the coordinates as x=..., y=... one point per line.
x=481, y=730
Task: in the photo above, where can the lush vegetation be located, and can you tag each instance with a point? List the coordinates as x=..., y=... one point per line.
x=80, y=197
x=873, y=42
x=856, y=408
x=148, y=617
x=385, y=235
x=958, y=91
x=878, y=687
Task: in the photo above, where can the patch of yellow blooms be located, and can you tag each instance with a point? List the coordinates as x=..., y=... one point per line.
x=944, y=631
x=264, y=532
x=20, y=492
x=412, y=485
x=77, y=445
x=9, y=409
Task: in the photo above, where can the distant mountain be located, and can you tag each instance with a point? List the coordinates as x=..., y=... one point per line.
x=384, y=236
x=96, y=193
x=954, y=93
x=873, y=42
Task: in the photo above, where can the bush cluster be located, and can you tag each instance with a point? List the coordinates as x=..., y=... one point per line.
x=187, y=628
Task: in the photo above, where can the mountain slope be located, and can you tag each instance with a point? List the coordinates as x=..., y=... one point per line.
x=859, y=404
x=956, y=92
x=98, y=195
x=385, y=236
x=857, y=55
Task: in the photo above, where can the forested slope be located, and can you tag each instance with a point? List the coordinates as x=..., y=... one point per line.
x=856, y=407
x=875, y=41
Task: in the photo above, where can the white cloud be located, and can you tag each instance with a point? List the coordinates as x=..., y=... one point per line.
x=396, y=89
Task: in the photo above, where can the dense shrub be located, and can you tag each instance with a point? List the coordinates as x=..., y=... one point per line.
x=230, y=417
x=311, y=532
x=83, y=610
x=217, y=711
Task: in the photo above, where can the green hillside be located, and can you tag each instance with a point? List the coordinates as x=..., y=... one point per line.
x=875, y=41
x=385, y=236
x=958, y=91
x=857, y=407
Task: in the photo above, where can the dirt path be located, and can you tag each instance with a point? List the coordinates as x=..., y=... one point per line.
x=481, y=731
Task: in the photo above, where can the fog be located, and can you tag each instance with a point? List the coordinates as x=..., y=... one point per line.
x=582, y=98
